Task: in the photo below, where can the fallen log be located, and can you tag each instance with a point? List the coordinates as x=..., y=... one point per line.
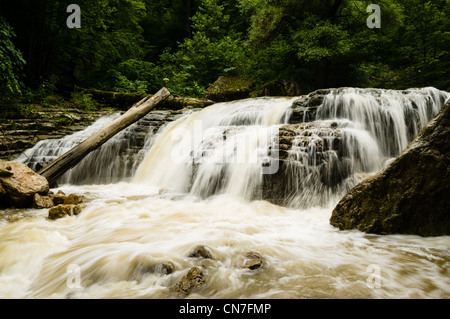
x=62, y=164
x=121, y=100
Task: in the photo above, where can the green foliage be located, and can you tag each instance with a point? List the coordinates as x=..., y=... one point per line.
x=276, y=61
x=133, y=76
x=185, y=45
x=210, y=19
x=110, y=34
x=84, y=101
x=199, y=60
x=318, y=40
x=11, y=61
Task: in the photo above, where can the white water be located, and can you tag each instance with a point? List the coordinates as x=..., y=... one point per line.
x=218, y=150
x=164, y=213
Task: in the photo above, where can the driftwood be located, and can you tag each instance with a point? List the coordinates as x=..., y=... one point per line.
x=68, y=160
x=123, y=100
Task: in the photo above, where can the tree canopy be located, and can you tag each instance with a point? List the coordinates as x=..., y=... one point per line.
x=185, y=45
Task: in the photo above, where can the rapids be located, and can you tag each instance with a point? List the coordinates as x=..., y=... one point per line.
x=195, y=185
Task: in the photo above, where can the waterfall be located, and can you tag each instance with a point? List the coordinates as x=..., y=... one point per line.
x=392, y=117
x=370, y=128
x=225, y=148
x=255, y=148
x=115, y=161
x=220, y=149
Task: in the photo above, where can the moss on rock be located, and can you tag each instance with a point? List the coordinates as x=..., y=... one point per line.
x=193, y=279
x=229, y=89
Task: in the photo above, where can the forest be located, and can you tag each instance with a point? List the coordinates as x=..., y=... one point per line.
x=185, y=45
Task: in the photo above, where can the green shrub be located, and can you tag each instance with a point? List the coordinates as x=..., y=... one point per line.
x=84, y=101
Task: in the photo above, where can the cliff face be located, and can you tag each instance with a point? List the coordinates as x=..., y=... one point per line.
x=411, y=195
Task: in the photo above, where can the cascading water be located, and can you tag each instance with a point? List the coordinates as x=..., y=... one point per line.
x=224, y=148
x=393, y=118
x=113, y=162
x=218, y=150
x=207, y=178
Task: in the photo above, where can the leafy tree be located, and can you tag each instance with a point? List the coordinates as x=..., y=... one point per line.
x=134, y=76
x=424, y=42
x=110, y=34
x=302, y=38
x=11, y=61
x=212, y=51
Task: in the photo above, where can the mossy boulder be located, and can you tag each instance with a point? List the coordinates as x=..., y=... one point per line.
x=229, y=89
x=63, y=210
x=193, y=279
x=411, y=195
x=252, y=260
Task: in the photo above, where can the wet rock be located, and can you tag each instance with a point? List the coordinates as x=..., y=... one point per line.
x=141, y=266
x=323, y=135
x=73, y=199
x=40, y=201
x=252, y=260
x=3, y=197
x=20, y=183
x=200, y=251
x=18, y=134
x=308, y=152
x=165, y=268
x=409, y=196
x=62, y=210
x=304, y=109
x=193, y=279
x=59, y=198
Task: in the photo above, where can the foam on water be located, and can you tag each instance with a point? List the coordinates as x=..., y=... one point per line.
x=125, y=226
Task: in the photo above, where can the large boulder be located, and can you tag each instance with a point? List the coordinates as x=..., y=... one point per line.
x=19, y=184
x=411, y=195
x=229, y=88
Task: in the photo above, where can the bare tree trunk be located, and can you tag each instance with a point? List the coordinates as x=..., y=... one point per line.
x=68, y=160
